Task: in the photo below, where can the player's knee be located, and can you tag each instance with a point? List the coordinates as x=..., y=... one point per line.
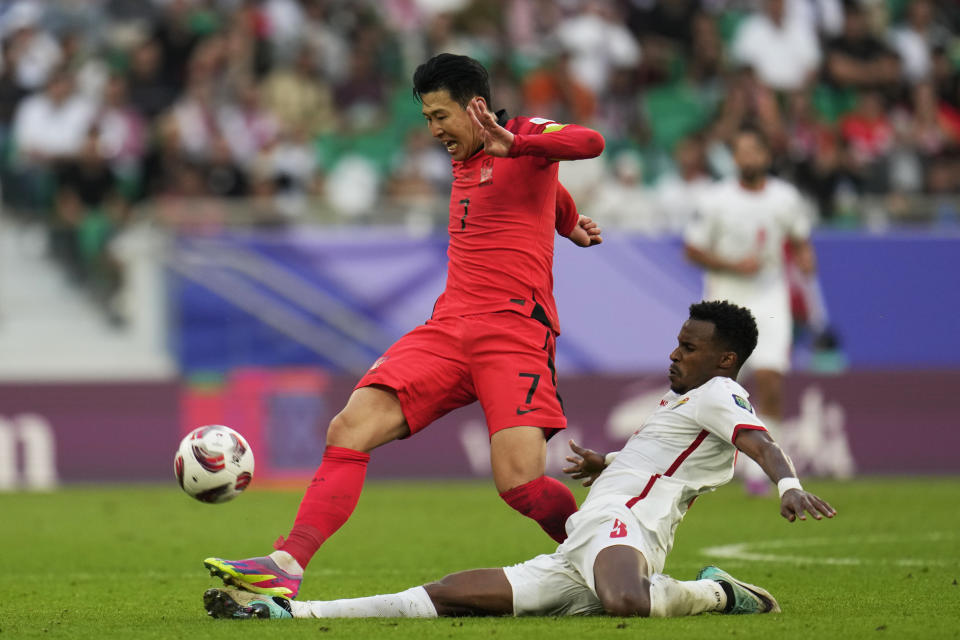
x=345, y=431
x=626, y=602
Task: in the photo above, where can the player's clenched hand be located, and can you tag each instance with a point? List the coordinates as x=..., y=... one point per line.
x=588, y=465
x=496, y=140
x=586, y=233
x=795, y=501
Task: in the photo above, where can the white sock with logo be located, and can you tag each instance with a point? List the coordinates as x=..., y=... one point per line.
x=412, y=603
x=287, y=562
x=671, y=598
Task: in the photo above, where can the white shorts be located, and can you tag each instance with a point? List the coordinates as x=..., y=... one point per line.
x=562, y=583
x=769, y=301
x=773, y=343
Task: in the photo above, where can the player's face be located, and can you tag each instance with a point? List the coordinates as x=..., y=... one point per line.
x=696, y=358
x=450, y=124
x=751, y=156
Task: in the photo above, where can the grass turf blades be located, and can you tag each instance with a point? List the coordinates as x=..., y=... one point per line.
x=97, y=562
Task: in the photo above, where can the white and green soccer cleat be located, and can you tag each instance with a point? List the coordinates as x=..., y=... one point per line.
x=742, y=597
x=243, y=605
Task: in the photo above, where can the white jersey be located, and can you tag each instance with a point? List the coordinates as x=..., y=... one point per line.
x=682, y=450
x=736, y=223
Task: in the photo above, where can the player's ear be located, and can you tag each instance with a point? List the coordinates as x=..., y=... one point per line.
x=483, y=103
x=729, y=360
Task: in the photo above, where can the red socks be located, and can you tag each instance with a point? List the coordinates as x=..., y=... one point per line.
x=546, y=500
x=328, y=502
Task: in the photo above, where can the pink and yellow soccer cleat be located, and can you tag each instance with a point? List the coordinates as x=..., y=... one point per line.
x=257, y=575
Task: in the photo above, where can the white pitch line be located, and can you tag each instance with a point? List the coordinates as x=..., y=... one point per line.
x=758, y=551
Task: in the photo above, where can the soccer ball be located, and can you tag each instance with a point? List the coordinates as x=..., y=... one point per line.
x=213, y=464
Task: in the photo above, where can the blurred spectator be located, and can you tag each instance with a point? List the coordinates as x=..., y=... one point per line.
x=623, y=202
x=223, y=175
x=932, y=127
x=151, y=92
x=195, y=115
x=869, y=133
x=299, y=97
x=362, y=96
x=824, y=16
x=598, y=42
x=245, y=123
x=163, y=162
x=913, y=40
x=323, y=37
x=665, y=31
x=11, y=92
x=857, y=58
x=87, y=209
x=831, y=178
x=552, y=89
x=290, y=163
x=420, y=171
x=779, y=46
x=34, y=53
x=123, y=133
x=176, y=39
x=228, y=97
x=48, y=127
x=678, y=192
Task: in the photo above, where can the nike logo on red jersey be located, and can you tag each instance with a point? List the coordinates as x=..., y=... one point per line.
x=521, y=412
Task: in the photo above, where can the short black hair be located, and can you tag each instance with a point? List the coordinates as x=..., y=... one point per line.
x=462, y=77
x=734, y=326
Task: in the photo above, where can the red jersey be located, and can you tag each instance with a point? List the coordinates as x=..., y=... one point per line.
x=503, y=213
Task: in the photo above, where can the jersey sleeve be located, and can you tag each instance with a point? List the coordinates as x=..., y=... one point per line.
x=567, y=216
x=798, y=223
x=725, y=411
x=543, y=138
x=699, y=231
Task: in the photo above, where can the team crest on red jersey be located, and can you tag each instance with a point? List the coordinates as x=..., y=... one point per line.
x=380, y=361
x=486, y=172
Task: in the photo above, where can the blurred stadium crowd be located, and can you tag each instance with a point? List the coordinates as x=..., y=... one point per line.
x=302, y=109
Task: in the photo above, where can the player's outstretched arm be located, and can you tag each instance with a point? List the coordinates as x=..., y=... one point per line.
x=557, y=142
x=587, y=465
x=794, y=501
x=713, y=262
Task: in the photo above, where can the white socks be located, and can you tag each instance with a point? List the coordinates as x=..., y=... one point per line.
x=412, y=603
x=287, y=562
x=670, y=598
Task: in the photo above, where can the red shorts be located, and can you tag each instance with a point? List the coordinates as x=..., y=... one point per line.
x=503, y=359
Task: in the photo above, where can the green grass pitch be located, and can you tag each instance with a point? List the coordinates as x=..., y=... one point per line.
x=100, y=562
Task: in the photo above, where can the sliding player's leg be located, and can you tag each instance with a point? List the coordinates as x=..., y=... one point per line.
x=372, y=417
x=626, y=588
x=479, y=592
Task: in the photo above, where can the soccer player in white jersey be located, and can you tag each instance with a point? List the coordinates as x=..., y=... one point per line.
x=738, y=235
x=612, y=561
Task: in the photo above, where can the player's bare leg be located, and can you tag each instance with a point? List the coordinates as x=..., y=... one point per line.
x=479, y=592
x=518, y=457
x=767, y=399
x=620, y=575
x=768, y=393
x=626, y=588
x=371, y=418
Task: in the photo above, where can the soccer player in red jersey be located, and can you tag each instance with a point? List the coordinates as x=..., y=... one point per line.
x=492, y=333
